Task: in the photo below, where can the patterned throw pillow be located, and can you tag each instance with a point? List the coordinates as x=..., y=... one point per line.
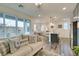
x=4, y=47
x=14, y=44
x=24, y=42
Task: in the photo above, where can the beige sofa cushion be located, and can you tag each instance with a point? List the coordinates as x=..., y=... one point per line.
x=4, y=47
x=14, y=44
x=28, y=50
x=23, y=51
x=36, y=47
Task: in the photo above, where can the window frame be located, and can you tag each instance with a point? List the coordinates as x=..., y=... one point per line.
x=16, y=24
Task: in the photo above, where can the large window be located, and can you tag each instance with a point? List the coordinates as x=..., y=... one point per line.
x=27, y=27
x=1, y=19
x=20, y=25
x=43, y=28
x=66, y=26
x=10, y=21
x=1, y=26
x=40, y=27
x=35, y=28
x=10, y=25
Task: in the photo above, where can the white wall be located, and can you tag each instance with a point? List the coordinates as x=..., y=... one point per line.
x=61, y=31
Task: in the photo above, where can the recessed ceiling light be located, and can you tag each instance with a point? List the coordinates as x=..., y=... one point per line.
x=39, y=15
x=55, y=17
x=38, y=4
x=64, y=8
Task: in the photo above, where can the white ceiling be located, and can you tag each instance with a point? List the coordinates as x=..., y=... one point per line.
x=47, y=9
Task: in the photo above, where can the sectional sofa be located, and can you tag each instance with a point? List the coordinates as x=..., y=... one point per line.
x=21, y=45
